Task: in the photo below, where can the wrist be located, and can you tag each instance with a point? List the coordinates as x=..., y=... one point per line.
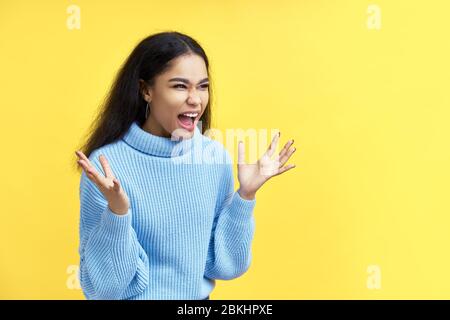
x=118, y=210
x=246, y=195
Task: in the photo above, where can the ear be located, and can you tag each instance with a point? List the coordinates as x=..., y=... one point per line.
x=145, y=90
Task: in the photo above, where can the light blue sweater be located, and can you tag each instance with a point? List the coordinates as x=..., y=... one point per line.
x=186, y=226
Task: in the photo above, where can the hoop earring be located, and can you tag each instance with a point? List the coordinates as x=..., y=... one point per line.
x=147, y=109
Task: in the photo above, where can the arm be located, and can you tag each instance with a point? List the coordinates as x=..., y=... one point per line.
x=229, y=252
x=113, y=265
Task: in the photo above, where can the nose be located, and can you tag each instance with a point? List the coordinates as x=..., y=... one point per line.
x=194, y=99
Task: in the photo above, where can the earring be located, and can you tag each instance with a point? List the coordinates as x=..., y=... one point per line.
x=147, y=108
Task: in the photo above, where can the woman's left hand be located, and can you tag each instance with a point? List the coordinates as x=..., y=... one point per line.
x=252, y=176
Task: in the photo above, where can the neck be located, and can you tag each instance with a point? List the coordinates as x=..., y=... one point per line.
x=156, y=145
x=152, y=126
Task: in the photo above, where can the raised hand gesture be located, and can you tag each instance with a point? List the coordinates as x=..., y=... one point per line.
x=252, y=176
x=108, y=184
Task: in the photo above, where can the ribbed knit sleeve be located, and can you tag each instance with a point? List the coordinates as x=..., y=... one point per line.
x=113, y=265
x=229, y=252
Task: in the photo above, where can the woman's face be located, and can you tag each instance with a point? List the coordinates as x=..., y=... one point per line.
x=183, y=88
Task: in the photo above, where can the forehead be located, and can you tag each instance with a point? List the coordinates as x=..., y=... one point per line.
x=191, y=67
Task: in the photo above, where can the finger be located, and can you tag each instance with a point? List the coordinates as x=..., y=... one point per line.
x=286, y=156
x=82, y=156
x=284, y=169
x=86, y=170
x=286, y=147
x=116, y=185
x=106, y=167
x=86, y=160
x=85, y=167
x=273, y=145
x=82, y=164
x=241, y=153
x=91, y=173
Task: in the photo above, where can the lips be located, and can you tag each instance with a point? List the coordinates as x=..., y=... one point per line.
x=187, y=123
x=186, y=120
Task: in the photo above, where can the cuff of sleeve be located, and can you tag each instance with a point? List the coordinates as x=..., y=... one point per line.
x=242, y=208
x=115, y=226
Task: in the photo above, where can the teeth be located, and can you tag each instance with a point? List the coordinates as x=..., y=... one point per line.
x=190, y=114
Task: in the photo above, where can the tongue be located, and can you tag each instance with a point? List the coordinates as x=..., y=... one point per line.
x=185, y=120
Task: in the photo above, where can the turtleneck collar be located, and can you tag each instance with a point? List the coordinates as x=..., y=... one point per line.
x=159, y=146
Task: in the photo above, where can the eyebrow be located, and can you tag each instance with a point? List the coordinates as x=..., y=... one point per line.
x=187, y=81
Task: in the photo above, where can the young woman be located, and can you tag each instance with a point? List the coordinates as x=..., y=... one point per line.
x=154, y=224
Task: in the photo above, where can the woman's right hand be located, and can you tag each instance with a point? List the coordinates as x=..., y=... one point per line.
x=117, y=199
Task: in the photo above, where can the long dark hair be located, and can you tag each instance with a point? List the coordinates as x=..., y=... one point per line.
x=124, y=103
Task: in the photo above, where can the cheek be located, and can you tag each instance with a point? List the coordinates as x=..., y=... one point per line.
x=165, y=115
x=205, y=99
x=170, y=115
x=170, y=104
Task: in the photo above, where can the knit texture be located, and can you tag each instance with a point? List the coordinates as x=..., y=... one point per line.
x=186, y=226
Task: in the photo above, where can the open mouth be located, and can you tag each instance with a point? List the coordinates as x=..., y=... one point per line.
x=187, y=119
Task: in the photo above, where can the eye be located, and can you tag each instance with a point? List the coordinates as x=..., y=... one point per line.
x=204, y=86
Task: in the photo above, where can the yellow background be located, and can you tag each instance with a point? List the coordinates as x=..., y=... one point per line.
x=368, y=109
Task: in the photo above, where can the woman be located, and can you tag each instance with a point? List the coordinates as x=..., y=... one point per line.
x=154, y=224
